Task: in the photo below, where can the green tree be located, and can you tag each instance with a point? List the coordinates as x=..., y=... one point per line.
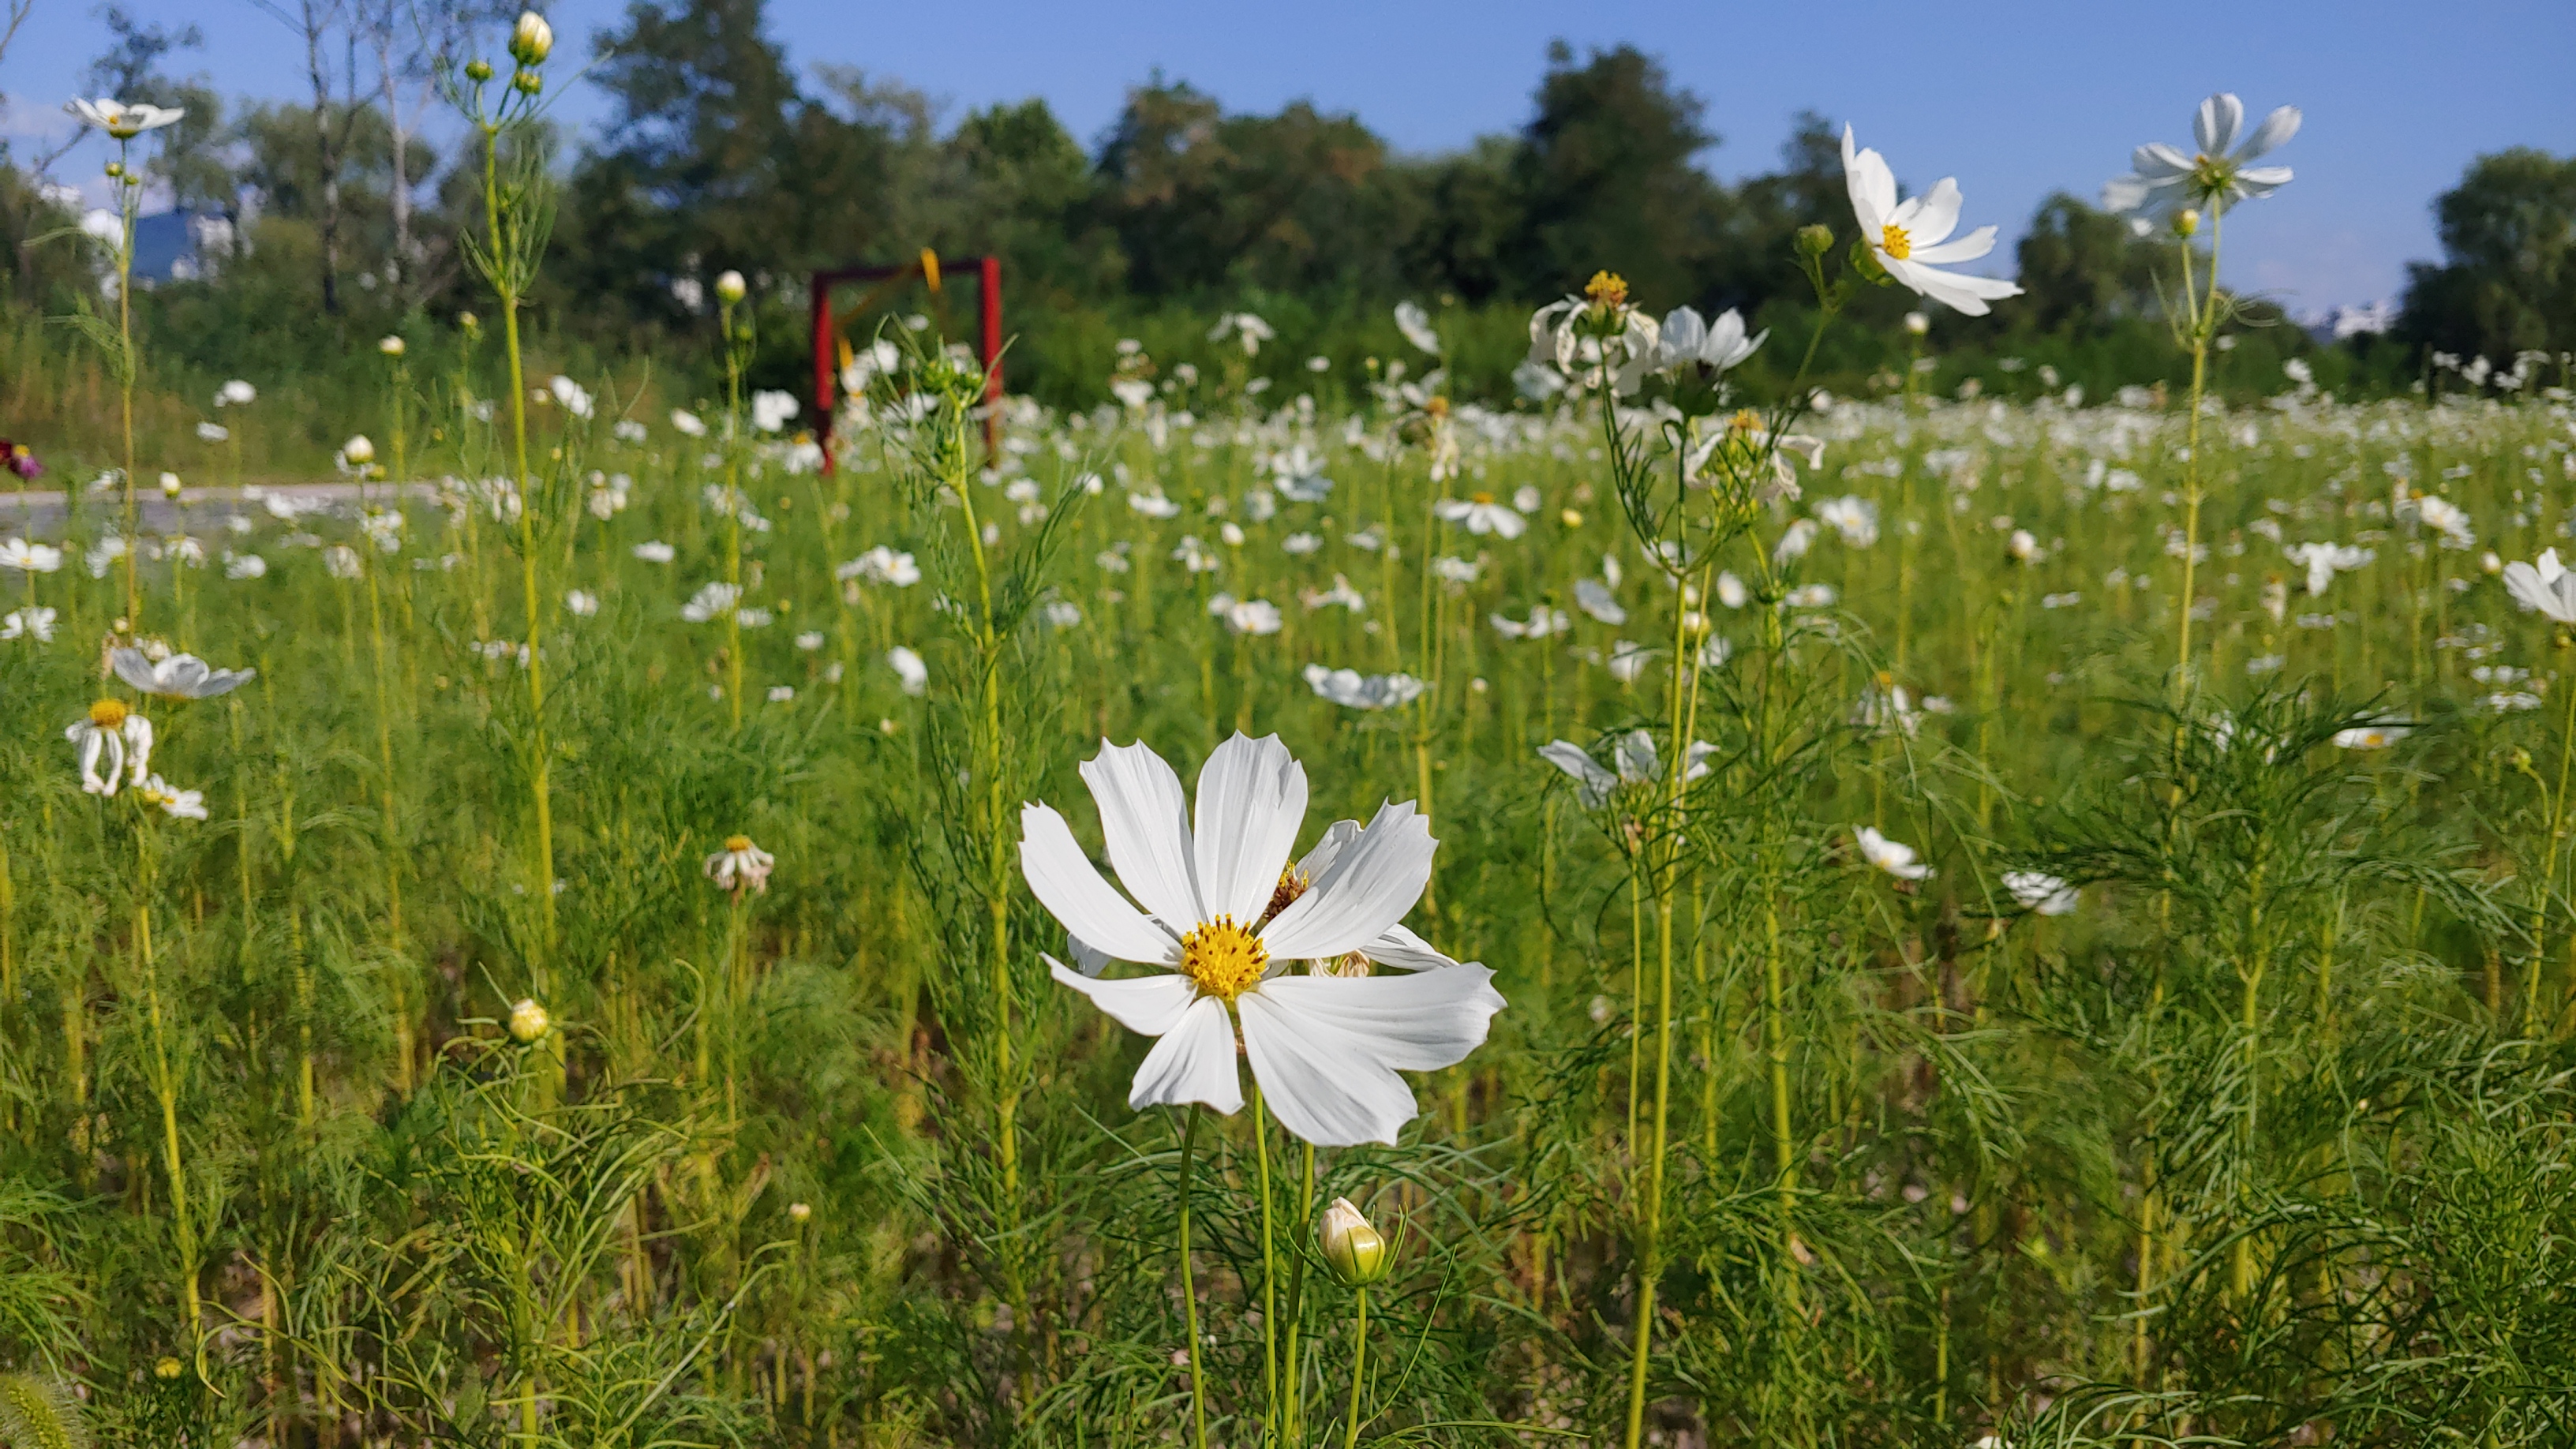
x=1608, y=178
x=2507, y=282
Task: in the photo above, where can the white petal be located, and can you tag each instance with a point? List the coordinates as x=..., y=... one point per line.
x=2258, y=182
x=1148, y=1005
x=1062, y=879
x=1568, y=756
x=1326, y=1050
x=2215, y=124
x=1337, y=836
x=1146, y=824
x=2158, y=162
x=1938, y=216
x=1871, y=184
x=1194, y=1062
x=1402, y=950
x=1252, y=798
x=1964, y=249
x=2276, y=130
x=1369, y=888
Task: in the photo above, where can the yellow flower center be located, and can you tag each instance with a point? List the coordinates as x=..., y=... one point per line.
x=1745, y=422
x=1223, y=958
x=737, y=844
x=1893, y=241
x=108, y=714
x=1482, y=500
x=1606, y=289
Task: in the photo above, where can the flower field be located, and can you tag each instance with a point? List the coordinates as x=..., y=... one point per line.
x=1652, y=914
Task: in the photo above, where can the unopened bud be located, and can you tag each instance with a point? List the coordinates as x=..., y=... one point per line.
x=169, y=485
x=359, y=451
x=533, y=39
x=1815, y=240
x=1355, y=1251
x=391, y=346
x=529, y=1022
x=1917, y=323
x=527, y=82
x=478, y=71
x=2186, y=222
x=730, y=288
x=115, y=168
x=798, y=1212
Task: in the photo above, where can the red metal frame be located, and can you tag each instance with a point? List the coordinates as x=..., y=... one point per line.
x=826, y=331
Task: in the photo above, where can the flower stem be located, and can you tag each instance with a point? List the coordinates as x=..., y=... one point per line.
x=1359, y=1369
x=1269, y=1272
x=1190, y=1292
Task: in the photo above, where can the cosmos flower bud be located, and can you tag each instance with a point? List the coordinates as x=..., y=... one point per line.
x=115, y=168
x=730, y=288
x=391, y=346
x=527, y=82
x=533, y=39
x=1815, y=240
x=169, y=485
x=798, y=1212
x=478, y=71
x=359, y=451
x=529, y=1022
x=1917, y=323
x=1355, y=1251
x=2186, y=222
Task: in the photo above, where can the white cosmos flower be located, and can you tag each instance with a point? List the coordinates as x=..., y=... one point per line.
x=1482, y=515
x=184, y=804
x=1224, y=911
x=1794, y=542
x=116, y=736
x=771, y=410
x=34, y=558
x=1628, y=660
x=181, y=676
x=1744, y=447
x=909, y=668
x=244, y=566
x=1687, y=341
x=2377, y=735
x=881, y=565
x=2447, y=519
x=37, y=624
x=1897, y=860
x=2039, y=891
x=2324, y=560
x=1246, y=328
x=1594, y=597
x=581, y=602
x=1852, y=516
x=741, y=866
x=656, y=551
x=1912, y=238
x=1542, y=622
x=1635, y=758
x=688, y=423
x=1353, y=690
x=1341, y=594
x=1246, y=616
x=2163, y=180
x=123, y=121
x=213, y=433
x=575, y=398
x=1415, y=324
x=2547, y=586
x=711, y=602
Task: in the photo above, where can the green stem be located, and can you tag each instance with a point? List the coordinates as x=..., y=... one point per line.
x=1189, y=1287
x=1359, y=1369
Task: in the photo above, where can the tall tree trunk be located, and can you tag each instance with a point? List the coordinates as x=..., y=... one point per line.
x=317, y=21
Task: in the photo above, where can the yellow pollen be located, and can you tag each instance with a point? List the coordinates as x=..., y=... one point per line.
x=1223, y=958
x=1482, y=499
x=1292, y=884
x=1893, y=241
x=1606, y=289
x=737, y=844
x=108, y=714
x=1746, y=420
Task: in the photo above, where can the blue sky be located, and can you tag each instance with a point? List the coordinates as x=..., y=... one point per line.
x=2015, y=97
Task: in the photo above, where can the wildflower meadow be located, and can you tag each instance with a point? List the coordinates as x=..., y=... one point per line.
x=1674, y=904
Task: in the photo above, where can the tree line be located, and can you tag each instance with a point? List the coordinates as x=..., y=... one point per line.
x=716, y=152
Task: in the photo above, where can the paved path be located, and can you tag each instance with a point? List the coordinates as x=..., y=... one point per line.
x=43, y=510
